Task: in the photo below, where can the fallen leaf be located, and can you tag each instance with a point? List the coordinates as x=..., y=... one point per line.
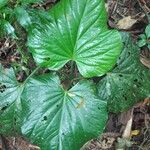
x=135, y=132
x=127, y=132
x=126, y=23
x=145, y=61
x=146, y=101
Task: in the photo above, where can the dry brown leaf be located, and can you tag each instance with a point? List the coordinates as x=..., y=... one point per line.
x=34, y=147
x=126, y=23
x=145, y=61
x=135, y=132
x=127, y=132
x=146, y=101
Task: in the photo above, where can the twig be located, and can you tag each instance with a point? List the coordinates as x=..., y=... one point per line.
x=144, y=6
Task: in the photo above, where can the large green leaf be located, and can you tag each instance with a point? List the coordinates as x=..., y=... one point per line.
x=128, y=83
x=48, y=115
x=58, y=119
x=75, y=31
x=10, y=102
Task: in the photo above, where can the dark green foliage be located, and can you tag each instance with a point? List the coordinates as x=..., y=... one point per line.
x=128, y=82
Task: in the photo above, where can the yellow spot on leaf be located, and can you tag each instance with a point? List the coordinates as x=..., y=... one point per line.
x=81, y=104
x=71, y=94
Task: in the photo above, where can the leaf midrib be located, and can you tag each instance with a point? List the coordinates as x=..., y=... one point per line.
x=77, y=34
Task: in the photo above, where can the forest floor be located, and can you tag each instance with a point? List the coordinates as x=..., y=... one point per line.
x=127, y=130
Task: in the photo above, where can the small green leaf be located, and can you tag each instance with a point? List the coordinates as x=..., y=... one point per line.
x=75, y=31
x=129, y=81
x=141, y=42
x=143, y=36
x=58, y=119
x=22, y=16
x=147, y=31
x=7, y=28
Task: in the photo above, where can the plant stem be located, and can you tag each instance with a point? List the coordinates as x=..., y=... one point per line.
x=34, y=71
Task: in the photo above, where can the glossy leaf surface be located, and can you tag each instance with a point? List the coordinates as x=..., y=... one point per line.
x=128, y=83
x=10, y=101
x=47, y=114
x=75, y=31
x=58, y=119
